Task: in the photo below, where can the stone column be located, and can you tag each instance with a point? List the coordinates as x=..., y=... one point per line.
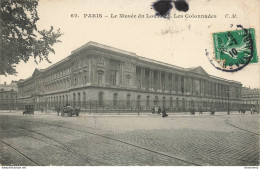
x=193, y=86
x=219, y=90
x=166, y=81
x=179, y=84
x=216, y=90
x=202, y=87
x=212, y=89
x=185, y=85
x=223, y=91
x=135, y=79
x=209, y=89
x=151, y=79
x=159, y=80
x=142, y=78
x=173, y=84
x=190, y=85
x=205, y=87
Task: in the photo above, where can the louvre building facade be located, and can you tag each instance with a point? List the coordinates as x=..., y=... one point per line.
x=98, y=77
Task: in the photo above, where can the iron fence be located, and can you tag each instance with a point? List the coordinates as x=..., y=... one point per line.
x=107, y=106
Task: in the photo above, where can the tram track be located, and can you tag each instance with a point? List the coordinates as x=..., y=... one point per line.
x=19, y=152
x=38, y=139
x=230, y=124
x=65, y=147
x=211, y=150
x=109, y=138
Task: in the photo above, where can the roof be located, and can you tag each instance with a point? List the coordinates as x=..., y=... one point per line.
x=195, y=70
x=95, y=44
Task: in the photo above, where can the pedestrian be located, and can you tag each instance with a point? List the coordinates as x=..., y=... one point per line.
x=212, y=112
x=192, y=111
x=153, y=111
x=164, y=114
x=159, y=110
x=252, y=110
x=200, y=110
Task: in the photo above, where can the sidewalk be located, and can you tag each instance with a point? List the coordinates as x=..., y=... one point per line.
x=49, y=112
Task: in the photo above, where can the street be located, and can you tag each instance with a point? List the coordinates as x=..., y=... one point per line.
x=105, y=140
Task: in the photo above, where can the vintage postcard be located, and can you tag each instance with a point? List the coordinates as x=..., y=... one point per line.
x=129, y=83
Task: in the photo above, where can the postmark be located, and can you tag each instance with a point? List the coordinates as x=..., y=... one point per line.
x=233, y=50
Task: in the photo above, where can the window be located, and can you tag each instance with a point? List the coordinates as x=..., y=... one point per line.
x=170, y=82
x=63, y=100
x=113, y=78
x=171, y=103
x=176, y=83
x=183, y=104
x=64, y=84
x=100, y=77
x=74, y=99
x=205, y=104
x=67, y=99
x=100, y=98
x=138, y=101
x=192, y=106
x=182, y=85
x=128, y=81
x=156, y=100
x=163, y=82
x=128, y=100
x=75, y=80
x=147, y=101
x=177, y=103
x=164, y=105
x=59, y=100
x=115, y=99
x=85, y=80
x=79, y=103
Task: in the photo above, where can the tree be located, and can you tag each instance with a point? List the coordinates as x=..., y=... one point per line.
x=20, y=37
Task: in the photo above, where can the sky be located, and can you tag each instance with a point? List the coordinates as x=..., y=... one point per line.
x=177, y=41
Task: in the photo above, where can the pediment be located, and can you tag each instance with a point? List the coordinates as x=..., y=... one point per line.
x=36, y=72
x=198, y=70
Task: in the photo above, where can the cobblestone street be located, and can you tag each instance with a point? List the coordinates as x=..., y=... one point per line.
x=47, y=139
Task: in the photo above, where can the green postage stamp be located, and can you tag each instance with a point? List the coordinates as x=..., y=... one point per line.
x=234, y=49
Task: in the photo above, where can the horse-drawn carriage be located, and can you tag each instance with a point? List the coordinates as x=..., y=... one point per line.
x=28, y=109
x=70, y=111
x=156, y=109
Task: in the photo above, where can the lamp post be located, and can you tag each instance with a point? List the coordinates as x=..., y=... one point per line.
x=228, y=91
x=11, y=100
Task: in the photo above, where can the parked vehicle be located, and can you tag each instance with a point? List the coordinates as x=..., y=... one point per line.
x=70, y=111
x=156, y=109
x=28, y=109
